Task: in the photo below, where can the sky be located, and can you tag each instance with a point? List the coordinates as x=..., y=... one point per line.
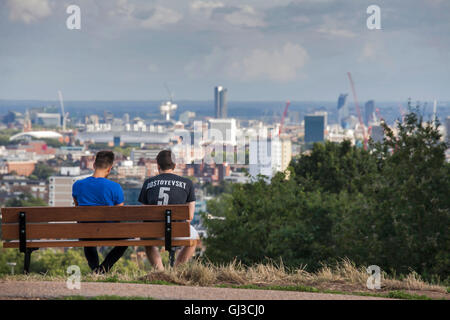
x=260, y=50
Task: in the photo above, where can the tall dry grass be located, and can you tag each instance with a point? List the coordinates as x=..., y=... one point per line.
x=344, y=276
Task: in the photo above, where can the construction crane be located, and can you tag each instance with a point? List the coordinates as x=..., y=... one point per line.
x=284, y=116
x=357, y=109
x=169, y=92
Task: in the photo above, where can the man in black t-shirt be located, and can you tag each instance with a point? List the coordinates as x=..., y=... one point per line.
x=169, y=188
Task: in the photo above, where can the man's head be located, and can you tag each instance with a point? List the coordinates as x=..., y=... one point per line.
x=104, y=161
x=165, y=160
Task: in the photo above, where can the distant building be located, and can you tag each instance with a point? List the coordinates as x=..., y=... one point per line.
x=342, y=109
x=60, y=191
x=12, y=186
x=126, y=118
x=137, y=154
x=20, y=168
x=124, y=137
x=223, y=131
x=265, y=157
x=377, y=133
x=286, y=153
x=237, y=177
x=47, y=119
x=314, y=128
x=369, y=109
x=70, y=171
x=108, y=116
x=220, y=102
x=37, y=135
x=131, y=171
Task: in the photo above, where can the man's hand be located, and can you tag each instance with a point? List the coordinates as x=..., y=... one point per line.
x=75, y=201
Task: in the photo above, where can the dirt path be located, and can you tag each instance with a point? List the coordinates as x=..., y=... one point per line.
x=55, y=289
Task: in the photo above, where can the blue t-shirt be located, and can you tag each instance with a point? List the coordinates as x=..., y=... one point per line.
x=97, y=192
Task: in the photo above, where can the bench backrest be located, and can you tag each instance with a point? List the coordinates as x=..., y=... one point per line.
x=59, y=227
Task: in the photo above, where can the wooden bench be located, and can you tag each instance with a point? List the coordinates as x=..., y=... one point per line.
x=43, y=227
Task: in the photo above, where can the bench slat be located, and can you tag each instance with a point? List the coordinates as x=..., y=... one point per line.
x=109, y=243
x=95, y=213
x=95, y=230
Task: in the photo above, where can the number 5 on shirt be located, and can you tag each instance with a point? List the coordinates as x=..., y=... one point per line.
x=163, y=197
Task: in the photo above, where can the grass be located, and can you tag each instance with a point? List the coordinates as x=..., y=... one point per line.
x=396, y=294
x=343, y=278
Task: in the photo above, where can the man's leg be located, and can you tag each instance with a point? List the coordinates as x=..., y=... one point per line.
x=185, y=254
x=92, y=257
x=154, y=257
x=112, y=257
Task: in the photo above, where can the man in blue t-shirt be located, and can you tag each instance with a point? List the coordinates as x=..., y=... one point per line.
x=97, y=190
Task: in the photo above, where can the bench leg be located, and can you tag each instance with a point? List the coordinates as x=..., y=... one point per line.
x=26, y=264
x=172, y=256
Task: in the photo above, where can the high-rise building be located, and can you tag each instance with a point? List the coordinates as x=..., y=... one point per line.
x=126, y=118
x=48, y=119
x=223, y=130
x=220, y=102
x=342, y=109
x=137, y=155
x=314, y=128
x=60, y=190
x=265, y=156
x=286, y=153
x=369, y=109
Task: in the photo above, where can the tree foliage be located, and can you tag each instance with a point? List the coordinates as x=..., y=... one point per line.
x=25, y=200
x=387, y=206
x=43, y=171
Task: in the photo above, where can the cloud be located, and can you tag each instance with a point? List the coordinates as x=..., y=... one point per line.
x=28, y=11
x=218, y=12
x=206, y=5
x=161, y=16
x=279, y=65
x=245, y=16
x=144, y=15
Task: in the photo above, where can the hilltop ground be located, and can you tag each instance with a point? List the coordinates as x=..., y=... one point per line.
x=198, y=280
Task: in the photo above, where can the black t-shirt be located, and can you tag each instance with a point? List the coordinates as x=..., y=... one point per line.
x=167, y=188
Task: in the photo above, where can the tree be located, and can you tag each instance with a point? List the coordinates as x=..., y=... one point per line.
x=25, y=200
x=42, y=171
x=387, y=206
x=333, y=167
x=412, y=202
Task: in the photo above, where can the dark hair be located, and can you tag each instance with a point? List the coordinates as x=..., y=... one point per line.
x=104, y=159
x=166, y=160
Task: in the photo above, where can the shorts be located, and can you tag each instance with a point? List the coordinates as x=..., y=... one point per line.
x=194, y=235
x=192, y=231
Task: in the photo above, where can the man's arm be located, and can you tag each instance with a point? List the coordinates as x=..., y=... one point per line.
x=191, y=210
x=119, y=205
x=75, y=201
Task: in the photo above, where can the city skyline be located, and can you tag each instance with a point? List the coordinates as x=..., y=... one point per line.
x=259, y=50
